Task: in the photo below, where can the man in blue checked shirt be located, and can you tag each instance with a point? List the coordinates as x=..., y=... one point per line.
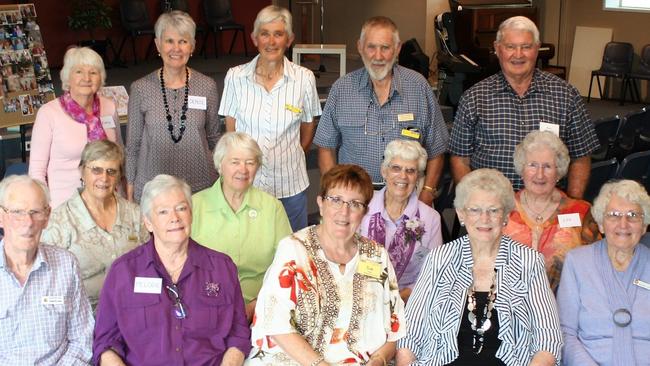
x=45, y=317
x=370, y=107
x=498, y=112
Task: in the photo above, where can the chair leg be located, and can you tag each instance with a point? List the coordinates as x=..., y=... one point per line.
x=600, y=90
x=232, y=43
x=150, y=47
x=135, y=55
x=119, y=52
x=591, y=82
x=204, y=47
x=624, y=90
x=216, y=52
x=636, y=96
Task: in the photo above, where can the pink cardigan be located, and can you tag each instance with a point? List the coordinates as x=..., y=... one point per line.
x=56, y=145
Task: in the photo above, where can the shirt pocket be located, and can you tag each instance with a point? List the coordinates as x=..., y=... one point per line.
x=55, y=322
x=138, y=316
x=8, y=328
x=209, y=313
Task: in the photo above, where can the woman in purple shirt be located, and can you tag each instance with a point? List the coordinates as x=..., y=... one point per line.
x=171, y=301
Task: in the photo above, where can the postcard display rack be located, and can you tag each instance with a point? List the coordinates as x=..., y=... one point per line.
x=25, y=80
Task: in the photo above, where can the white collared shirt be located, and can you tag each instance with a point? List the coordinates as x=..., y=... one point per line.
x=273, y=120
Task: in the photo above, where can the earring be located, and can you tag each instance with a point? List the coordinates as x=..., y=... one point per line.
x=158, y=54
x=505, y=223
x=462, y=223
x=83, y=184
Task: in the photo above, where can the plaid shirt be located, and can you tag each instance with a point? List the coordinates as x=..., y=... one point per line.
x=35, y=331
x=354, y=122
x=492, y=119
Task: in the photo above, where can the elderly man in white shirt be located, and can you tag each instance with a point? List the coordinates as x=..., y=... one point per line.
x=45, y=317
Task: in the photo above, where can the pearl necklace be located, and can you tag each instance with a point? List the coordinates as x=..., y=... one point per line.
x=170, y=125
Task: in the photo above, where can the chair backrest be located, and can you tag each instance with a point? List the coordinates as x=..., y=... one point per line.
x=606, y=131
x=631, y=127
x=170, y=5
x=217, y=11
x=134, y=15
x=644, y=63
x=636, y=166
x=617, y=57
x=601, y=172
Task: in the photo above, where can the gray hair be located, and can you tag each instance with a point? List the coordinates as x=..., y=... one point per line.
x=178, y=20
x=487, y=180
x=102, y=150
x=382, y=22
x=270, y=14
x=405, y=150
x=536, y=140
x=22, y=179
x=519, y=23
x=160, y=184
x=78, y=56
x=231, y=140
x=628, y=190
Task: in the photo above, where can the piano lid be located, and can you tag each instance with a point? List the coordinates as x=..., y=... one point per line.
x=492, y=4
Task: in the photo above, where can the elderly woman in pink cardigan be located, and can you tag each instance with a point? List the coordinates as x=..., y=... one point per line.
x=64, y=125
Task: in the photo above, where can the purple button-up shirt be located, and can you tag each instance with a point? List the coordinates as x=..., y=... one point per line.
x=141, y=327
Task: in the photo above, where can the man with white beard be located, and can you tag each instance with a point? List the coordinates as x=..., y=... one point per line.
x=368, y=108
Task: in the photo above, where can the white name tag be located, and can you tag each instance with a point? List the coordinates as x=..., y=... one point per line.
x=108, y=121
x=196, y=102
x=569, y=220
x=147, y=285
x=53, y=300
x=552, y=127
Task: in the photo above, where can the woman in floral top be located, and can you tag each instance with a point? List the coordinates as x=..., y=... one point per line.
x=330, y=295
x=408, y=228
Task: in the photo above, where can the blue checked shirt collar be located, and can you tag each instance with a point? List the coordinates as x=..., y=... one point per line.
x=395, y=84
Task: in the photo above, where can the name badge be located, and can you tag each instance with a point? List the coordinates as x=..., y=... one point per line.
x=569, y=220
x=196, y=102
x=552, y=127
x=147, y=285
x=642, y=284
x=133, y=238
x=53, y=300
x=368, y=268
x=293, y=109
x=405, y=117
x=409, y=133
x=108, y=121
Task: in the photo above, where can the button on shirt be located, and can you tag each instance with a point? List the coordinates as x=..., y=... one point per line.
x=273, y=120
x=142, y=328
x=48, y=321
x=492, y=119
x=354, y=122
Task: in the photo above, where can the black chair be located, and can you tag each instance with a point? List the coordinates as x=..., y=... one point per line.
x=601, y=172
x=137, y=23
x=642, y=73
x=169, y=5
x=617, y=62
x=606, y=131
x=636, y=166
x=218, y=16
x=445, y=200
x=629, y=132
x=546, y=53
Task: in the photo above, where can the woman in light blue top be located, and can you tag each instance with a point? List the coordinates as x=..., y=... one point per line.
x=605, y=287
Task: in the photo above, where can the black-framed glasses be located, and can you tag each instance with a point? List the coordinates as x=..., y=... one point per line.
x=98, y=170
x=338, y=202
x=175, y=295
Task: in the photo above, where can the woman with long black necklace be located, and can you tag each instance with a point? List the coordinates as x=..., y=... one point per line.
x=173, y=121
x=482, y=299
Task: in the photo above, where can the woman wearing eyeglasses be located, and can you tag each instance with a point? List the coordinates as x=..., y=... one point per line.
x=482, y=299
x=330, y=296
x=544, y=217
x=605, y=287
x=96, y=223
x=171, y=301
x=405, y=226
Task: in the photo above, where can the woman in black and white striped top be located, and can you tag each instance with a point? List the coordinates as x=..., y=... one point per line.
x=482, y=299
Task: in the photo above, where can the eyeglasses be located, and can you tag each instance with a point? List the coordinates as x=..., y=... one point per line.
x=20, y=215
x=397, y=169
x=492, y=213
x=98, y=170
x=536, y=166
x=175, y=295
x=337, y=202
x=631, y=216
x=511, y=47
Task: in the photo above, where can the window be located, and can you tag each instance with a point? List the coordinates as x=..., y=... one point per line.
x=627, y=5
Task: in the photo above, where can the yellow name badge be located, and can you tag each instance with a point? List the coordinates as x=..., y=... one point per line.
x=293, y=109
x=411, y=134
x=405, y=117
x=368, y=268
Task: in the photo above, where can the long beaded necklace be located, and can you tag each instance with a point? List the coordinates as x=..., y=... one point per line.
x=170, y=125
x=485, y=324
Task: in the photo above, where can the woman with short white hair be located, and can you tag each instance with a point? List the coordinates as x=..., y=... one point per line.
x=64, y=125
x=605, y=287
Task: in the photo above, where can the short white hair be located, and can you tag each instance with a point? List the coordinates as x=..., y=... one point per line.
x=234, y=140
x=405, y=150
x=178, y=20
x=270, y=14
x=539, y=139
x=519, y=23
x=78, y=56
x=6, y=183
x=491, y=181
x=626, y=189
x=380, y=22
x=161, y=184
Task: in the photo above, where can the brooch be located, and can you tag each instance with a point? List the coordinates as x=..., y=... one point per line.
x=211, y=289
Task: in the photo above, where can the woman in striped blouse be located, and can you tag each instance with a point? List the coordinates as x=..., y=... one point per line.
x=482, y=299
